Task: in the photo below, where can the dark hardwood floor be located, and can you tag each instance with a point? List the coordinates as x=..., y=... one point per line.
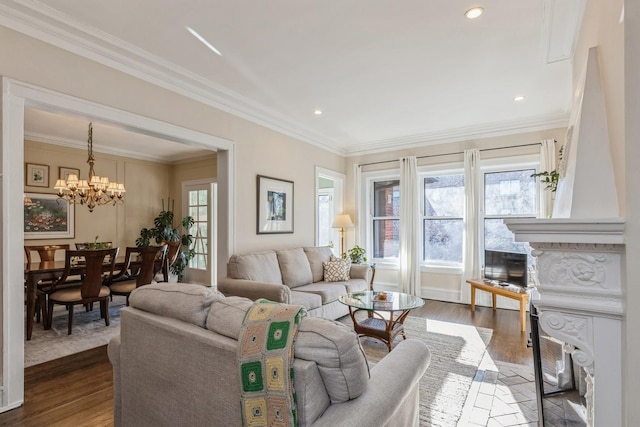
x=77, y=390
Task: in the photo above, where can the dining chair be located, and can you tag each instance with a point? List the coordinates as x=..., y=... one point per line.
x=94, y=286
x=170, y=258
x=47, y=254
x=151, y=262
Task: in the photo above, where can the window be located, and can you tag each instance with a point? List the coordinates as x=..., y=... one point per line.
x=507, y=194
x=386, y=211
x=443, y=221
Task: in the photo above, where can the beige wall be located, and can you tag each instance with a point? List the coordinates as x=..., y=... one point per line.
x=265, y=152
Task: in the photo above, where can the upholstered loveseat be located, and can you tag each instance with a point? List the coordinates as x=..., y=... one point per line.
x=175, y=364
x=294, y=276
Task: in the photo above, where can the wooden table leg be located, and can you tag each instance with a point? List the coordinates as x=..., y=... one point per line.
x=473, y=297
x=493, y=300
x=523, y=315
x=31, y=306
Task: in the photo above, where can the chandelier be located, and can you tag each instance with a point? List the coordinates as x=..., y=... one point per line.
x=97, y=191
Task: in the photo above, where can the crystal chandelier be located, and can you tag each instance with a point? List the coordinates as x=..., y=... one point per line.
x=96, y=191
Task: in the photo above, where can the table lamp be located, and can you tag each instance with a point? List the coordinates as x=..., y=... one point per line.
x=342, y=221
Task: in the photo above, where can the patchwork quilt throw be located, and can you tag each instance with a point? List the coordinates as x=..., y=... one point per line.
x=265, y=355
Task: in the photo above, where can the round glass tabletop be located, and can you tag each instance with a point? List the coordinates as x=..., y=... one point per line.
x=381, y=301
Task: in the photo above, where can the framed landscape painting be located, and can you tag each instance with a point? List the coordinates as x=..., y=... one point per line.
x=47, y=217
x=275, y=205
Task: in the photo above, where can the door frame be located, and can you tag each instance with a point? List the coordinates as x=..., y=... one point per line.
x=338, y=193
x=15, y=96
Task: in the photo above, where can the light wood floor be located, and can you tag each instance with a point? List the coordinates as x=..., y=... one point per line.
x=78, y=390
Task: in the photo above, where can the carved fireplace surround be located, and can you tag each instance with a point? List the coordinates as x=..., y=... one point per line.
x=580, y=269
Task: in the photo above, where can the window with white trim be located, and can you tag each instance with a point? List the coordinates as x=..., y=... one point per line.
x=507, y=194
x=385, y=219
x=443, y=219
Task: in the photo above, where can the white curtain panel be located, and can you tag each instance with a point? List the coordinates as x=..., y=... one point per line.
x=409, y=227
x=547, y=163
x=471, y=251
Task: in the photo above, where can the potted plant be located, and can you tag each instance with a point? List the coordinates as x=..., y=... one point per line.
x=165, y=231
x=356, y=254
x=550, y=178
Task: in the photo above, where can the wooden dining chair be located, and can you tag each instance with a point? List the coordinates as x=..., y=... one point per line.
x=151, y=263
x=94, y=286
x=170, y=258
x=47, y=254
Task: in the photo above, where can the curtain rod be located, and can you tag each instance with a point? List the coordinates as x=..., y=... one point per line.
x=451, y=154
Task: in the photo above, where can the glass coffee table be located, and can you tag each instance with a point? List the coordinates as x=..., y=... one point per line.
x=383, y=327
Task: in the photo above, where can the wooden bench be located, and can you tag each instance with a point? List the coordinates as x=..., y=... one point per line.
x=510, y=291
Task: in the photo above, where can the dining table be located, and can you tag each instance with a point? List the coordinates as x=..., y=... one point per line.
x=51, y=270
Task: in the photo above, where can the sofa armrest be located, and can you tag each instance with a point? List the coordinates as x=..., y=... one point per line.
x=392, y=396
x=113, y=351
x=360, y=271
x=254, y=290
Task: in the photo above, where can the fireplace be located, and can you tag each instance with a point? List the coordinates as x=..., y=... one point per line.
x=579, y=301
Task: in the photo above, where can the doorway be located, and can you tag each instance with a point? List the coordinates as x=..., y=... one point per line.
x=199, y=202
x=329, y=203
x=16, y=96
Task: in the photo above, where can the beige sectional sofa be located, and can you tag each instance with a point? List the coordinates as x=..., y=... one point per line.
x=293, y=276
x=175, y=364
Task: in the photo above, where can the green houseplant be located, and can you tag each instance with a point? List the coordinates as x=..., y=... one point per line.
x=356, y=255
x=163, y=230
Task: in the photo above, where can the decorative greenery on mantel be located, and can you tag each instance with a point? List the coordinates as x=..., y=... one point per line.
x=550, y=178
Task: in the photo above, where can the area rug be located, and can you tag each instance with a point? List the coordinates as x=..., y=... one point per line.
x=89, y=331
x=456, y=353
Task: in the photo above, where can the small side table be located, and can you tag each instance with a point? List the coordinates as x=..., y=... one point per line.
x=510, y=291
x=375, y=325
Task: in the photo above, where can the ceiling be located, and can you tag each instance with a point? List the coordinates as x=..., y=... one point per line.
x=386, y=74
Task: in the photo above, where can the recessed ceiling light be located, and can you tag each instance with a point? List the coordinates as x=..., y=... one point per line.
x=474, y=12
x=518, y=98
x=317, y=112
x=204, y=41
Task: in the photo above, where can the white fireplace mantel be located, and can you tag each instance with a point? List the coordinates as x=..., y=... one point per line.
x=580, y=301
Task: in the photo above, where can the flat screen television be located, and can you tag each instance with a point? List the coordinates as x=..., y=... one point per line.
x=506, y=267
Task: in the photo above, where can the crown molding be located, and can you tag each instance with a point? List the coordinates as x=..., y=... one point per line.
x=44, y=23
x=105, y=149
x=461, y=134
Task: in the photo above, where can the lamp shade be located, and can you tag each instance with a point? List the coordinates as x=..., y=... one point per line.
x=342, y=221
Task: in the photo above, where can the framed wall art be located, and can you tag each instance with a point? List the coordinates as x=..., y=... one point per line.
x=37, y=175
x=48, y=217
x=275, y=205
x=65, y=172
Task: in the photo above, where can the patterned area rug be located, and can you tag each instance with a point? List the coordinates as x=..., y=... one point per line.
x=89, y=331
x=456, y=353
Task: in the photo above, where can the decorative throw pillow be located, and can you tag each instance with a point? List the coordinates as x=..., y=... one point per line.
x=336, y=269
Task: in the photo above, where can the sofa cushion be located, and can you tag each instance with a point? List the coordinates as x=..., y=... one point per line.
x=328, y=291
x=306, y=299
x=226, y=316
x=257, y=266
x=317, y=256
x=294, y=267
x=336, y=270
x=183, y=301
x=336, y=349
